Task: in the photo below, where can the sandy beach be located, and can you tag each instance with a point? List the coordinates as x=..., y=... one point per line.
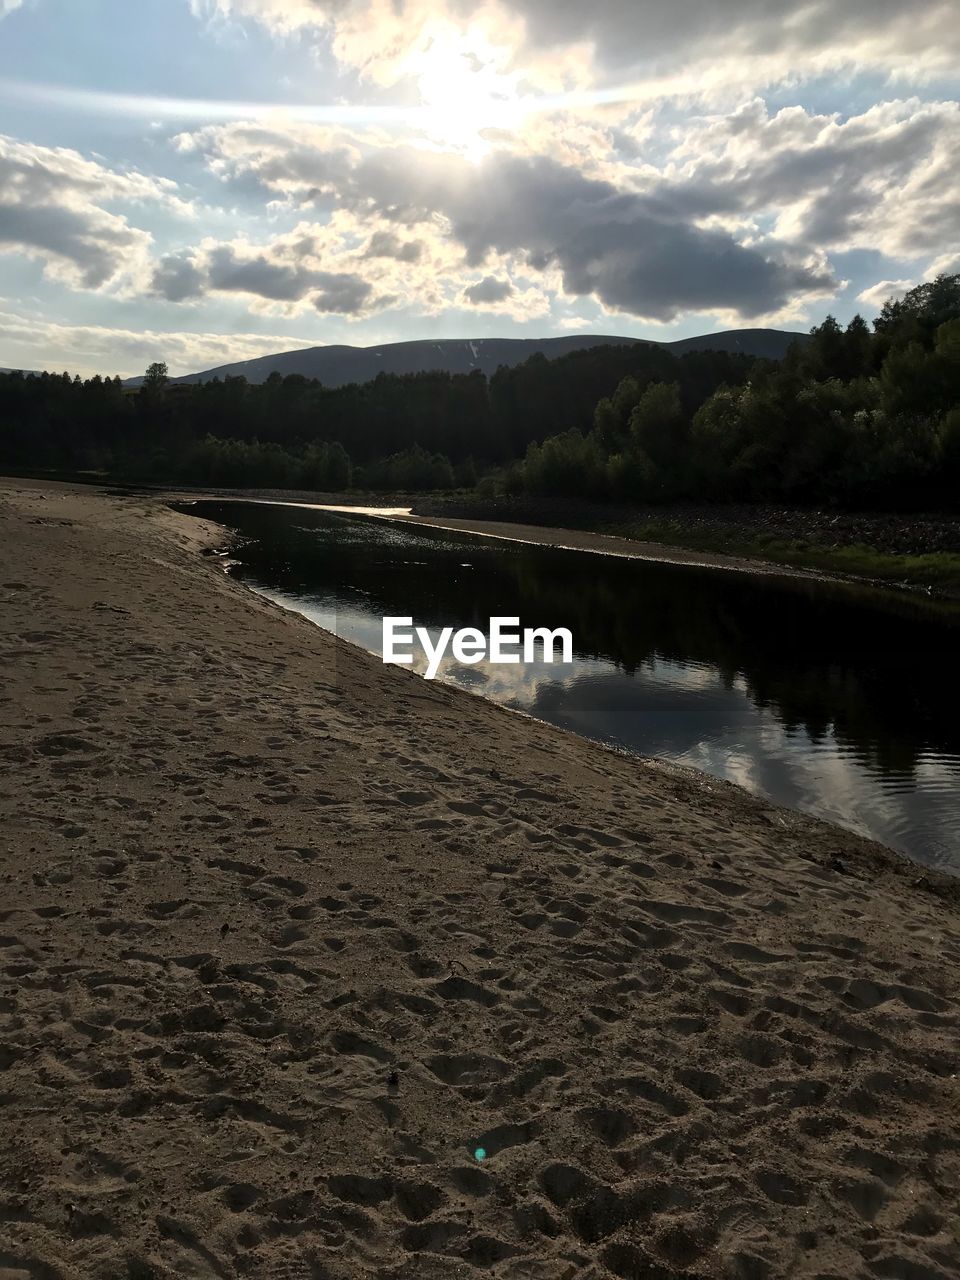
x=314, y=971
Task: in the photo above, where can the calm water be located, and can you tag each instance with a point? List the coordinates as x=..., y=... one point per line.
x=830, y=699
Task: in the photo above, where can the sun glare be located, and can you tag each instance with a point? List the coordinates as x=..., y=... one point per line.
x=463, y=93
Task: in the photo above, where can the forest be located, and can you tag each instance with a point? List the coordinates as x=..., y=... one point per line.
x=853, y=416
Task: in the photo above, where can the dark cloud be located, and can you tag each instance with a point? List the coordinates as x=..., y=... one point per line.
x=342, y=294
x=279, y=273
x=260, y=275
x=92, y=242
x=641, y=254
x=631, y=32
x=488, y=290
x=384, y=244
x=177, y=278
x=51, y=207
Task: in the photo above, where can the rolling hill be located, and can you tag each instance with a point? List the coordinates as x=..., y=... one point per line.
x=338, y=365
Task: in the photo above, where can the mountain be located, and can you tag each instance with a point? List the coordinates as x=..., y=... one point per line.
x=335, y=366
x=764, y=344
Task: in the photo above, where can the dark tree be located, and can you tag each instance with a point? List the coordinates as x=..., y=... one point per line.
x=156, y=377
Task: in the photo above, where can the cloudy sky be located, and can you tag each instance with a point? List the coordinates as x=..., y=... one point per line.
x=208, y=180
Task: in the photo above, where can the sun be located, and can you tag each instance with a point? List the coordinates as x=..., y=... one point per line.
x=464, y=91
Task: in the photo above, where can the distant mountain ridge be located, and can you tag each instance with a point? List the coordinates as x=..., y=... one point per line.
x=337, y=365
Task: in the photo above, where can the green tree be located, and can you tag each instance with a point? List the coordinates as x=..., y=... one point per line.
x=156, y=378
x=858, y=349
x=921, y=310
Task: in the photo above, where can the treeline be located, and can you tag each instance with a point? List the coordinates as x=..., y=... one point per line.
x=850, y=417
x=419, y=431
x=320, y=466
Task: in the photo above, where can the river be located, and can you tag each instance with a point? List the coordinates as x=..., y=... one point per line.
x=831, y=699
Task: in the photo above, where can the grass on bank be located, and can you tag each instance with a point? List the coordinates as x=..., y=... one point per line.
x=939, y=571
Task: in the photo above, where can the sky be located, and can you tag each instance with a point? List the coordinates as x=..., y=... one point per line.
x=204, y=181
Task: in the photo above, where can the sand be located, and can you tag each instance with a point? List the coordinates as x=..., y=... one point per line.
x=286, y=936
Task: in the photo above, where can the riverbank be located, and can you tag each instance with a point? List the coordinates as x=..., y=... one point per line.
x=919, y=551
x=628, y=545
x=913, y=552
x=291, y=938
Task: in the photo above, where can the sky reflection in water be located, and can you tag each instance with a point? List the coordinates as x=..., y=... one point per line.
x=823, y=698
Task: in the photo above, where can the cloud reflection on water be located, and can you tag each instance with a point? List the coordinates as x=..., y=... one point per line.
x=819, y=696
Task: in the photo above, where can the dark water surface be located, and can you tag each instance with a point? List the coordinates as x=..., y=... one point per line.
x=835, y=700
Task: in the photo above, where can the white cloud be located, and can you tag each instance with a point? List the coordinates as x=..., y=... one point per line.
x=53, y=207
x=878, y=294
x=89, y=349
x=887, y=179
x=947, y=264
